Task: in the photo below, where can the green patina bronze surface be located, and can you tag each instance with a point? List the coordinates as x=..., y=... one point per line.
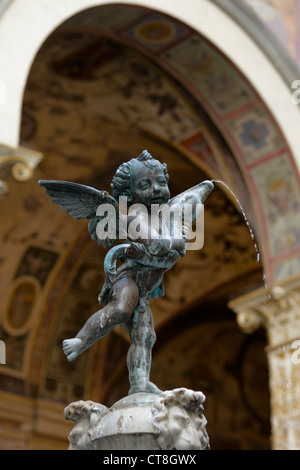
x=143, y=260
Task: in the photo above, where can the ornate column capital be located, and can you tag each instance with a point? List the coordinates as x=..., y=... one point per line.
x=19, y=162
x=276, y=309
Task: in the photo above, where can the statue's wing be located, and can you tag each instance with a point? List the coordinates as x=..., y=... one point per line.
x=78, y=200
x=81, y=202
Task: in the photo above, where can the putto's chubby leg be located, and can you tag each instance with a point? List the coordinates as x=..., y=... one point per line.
x=123, y=301
x=140, y=353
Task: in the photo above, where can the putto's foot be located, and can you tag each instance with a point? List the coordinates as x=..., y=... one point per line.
x=135, y=389
x=148, y=387
x=72, y=348
x=152, y=388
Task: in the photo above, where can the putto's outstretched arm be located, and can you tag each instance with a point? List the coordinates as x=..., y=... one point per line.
x=196, y=196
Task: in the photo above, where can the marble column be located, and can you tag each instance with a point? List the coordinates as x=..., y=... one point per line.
x=278, y=311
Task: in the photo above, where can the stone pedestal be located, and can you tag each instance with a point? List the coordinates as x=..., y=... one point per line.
x=142, y=421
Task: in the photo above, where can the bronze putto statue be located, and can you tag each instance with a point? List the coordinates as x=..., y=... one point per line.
x=150, y=245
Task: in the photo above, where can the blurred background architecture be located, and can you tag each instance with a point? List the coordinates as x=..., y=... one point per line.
x=207, y=87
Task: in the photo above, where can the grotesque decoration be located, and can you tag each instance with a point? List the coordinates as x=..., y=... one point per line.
x=171, y=420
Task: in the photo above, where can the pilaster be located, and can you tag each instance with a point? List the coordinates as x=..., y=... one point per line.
x=278, y=311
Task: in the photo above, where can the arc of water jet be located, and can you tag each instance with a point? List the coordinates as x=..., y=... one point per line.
x=258, y=257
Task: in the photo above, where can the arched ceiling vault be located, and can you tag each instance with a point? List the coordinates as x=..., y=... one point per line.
x=256, y=154
x=100, y=90
x=103, y=87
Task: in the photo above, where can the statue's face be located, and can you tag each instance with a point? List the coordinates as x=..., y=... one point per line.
x=149, y=185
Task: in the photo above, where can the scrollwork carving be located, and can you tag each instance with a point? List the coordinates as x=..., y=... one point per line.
x=249, y=320
x=18, y=162
x=254, y=310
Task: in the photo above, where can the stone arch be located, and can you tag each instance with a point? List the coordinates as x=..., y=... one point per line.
x=263, y=99
x=226, y=31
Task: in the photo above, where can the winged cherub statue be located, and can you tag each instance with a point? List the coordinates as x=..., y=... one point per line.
x=144, y=257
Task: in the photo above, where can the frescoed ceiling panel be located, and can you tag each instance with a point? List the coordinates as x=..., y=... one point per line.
x=93, y=101
x=216, y=85
x=283, y=20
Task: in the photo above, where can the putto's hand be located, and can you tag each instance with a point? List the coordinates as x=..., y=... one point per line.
x=179, y=245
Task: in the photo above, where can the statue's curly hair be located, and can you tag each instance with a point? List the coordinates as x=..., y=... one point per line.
x=121, y=182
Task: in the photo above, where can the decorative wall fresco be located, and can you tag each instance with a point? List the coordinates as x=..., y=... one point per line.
x=65, y=381
x=286, y=269
x=255, y=135
x=210, y=74
x=140, y=96
x=101, y=89
x=199, y=145
x=156, y=32
x=280, y=195
x=20, y=309
x=283, y=20
x=37, y=262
